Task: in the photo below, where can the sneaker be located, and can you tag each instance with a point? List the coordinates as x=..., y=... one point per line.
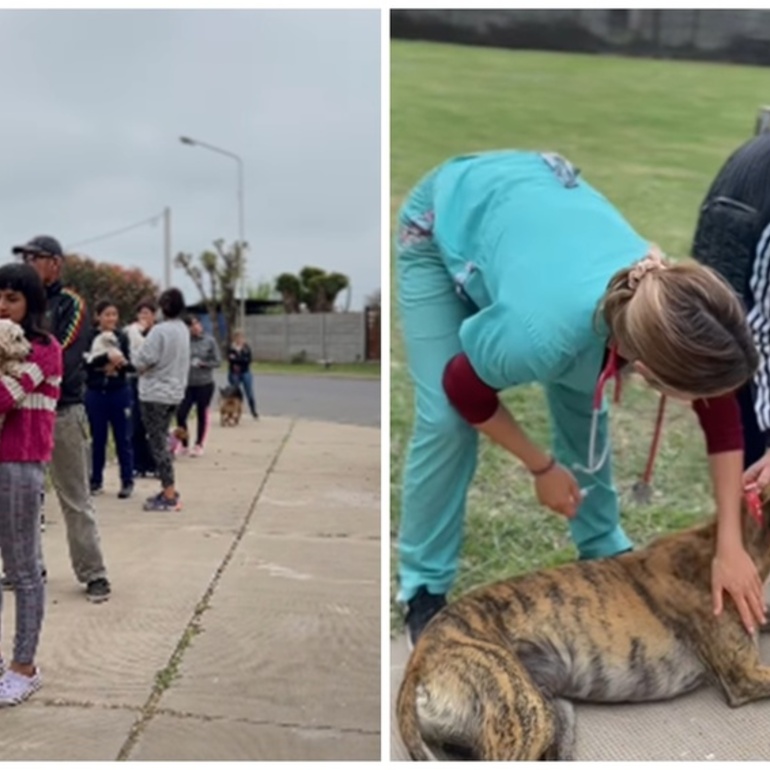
x=126, y=491
x=420, y=611
x=15, y=688
x=196, y=451
x=98, y=590
x=96, y=489
x=162, y=503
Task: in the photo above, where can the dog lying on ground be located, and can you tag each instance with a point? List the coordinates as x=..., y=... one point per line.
x=230, y=405
x=494, y=674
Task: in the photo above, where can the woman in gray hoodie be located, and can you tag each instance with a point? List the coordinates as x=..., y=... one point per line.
x=162, y=363
x=204, y=358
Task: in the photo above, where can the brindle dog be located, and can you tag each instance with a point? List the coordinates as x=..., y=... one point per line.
x=494, y=674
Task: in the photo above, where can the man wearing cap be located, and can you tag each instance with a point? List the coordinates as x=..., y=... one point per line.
x=66, y=318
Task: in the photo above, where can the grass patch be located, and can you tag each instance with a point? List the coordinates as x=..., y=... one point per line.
x=650, y=135
x=166, y=676
x=368, y=370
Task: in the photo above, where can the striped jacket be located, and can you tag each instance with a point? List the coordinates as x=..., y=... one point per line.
x=28, y=406
x=66, y=319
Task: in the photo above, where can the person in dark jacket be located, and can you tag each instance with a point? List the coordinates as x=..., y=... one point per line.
x=65, y=319
x=239, y=369
x=108, y=397
x=204, y=358
x=732, y=236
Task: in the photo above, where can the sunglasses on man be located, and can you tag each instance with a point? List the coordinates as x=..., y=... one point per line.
x=34, y=256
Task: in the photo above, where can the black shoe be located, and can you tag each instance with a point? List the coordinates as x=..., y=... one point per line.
x=98, y=590
x=96, y=489
x=421, y=609
x=126, y=491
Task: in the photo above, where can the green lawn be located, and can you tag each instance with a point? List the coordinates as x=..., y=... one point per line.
x=650, y=135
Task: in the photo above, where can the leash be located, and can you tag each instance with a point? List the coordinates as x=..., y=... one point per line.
x=751, y=497
x=647, y=477
x=753, y=503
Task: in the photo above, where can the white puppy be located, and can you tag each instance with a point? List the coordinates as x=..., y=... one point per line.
x=14, y=349
x=103, y=343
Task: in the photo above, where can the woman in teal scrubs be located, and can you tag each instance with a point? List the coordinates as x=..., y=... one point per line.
x=513, y=270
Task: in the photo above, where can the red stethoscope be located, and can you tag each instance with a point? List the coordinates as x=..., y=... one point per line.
x=751, y=496
x=612, y=371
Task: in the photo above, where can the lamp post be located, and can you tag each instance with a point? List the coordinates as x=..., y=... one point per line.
x=241, y=238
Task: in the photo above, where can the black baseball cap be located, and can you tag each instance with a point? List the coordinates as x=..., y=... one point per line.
x=41, y=244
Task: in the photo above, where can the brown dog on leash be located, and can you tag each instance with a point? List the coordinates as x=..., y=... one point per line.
x=494, y=674
x=230, y=405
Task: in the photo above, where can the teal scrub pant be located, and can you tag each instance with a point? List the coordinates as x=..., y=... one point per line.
x=442, y=453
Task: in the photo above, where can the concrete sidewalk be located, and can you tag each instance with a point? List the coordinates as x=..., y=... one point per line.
x=246, y=627
x=698, y=726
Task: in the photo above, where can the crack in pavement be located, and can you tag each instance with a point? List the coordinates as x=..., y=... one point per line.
x=161, y=711
x=264, y=722
x=163, y=680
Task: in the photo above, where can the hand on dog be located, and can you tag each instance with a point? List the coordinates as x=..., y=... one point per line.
x=558, y=490
x=736, y=573
x=759, y=472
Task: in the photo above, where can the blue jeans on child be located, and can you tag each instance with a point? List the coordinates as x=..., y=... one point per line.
x=110, y=408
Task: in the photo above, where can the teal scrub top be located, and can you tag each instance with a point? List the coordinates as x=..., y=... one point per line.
x=532, y=246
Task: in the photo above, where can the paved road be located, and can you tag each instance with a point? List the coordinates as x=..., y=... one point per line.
x=331, y=399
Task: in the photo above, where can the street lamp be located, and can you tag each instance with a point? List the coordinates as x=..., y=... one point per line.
x=241, y=238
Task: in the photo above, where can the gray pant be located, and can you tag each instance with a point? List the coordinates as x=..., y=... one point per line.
x=20, y=488
x=70, y=476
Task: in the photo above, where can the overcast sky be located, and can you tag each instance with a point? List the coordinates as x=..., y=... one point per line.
x=93, y=103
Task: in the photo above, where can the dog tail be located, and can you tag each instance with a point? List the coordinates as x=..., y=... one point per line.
x=408, y=719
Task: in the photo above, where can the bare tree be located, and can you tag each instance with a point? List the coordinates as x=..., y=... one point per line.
x=216, y=275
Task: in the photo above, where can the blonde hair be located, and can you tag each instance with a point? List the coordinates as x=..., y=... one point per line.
x=684, y=322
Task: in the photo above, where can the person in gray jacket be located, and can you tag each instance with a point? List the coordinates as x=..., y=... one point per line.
x=163, y=362
x=204, y=358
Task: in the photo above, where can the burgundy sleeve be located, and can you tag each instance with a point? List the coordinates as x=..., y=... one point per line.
x=468, y=394
x=720, y=419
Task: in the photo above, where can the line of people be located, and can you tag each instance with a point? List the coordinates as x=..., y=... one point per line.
x=76, y=385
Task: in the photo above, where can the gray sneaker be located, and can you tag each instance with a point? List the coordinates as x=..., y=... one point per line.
x=98, y=590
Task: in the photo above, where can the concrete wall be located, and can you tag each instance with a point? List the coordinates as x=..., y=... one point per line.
x=339, y=337
x=719, y=35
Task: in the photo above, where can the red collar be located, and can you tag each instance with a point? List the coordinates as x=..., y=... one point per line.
x=611, y=370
